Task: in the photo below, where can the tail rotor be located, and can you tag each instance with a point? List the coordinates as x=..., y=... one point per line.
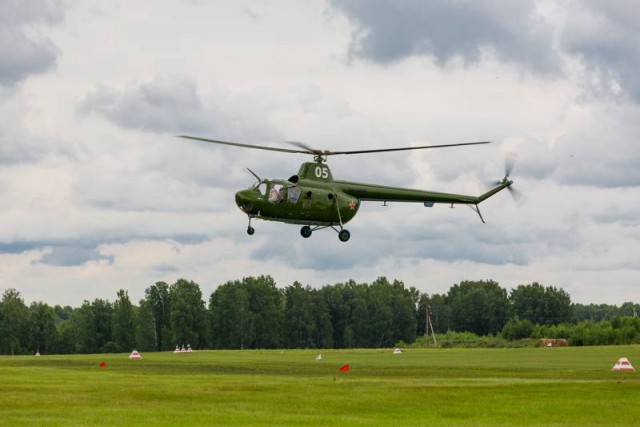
x=509, y=162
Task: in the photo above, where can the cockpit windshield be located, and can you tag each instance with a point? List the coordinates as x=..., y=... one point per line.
x=260, y=187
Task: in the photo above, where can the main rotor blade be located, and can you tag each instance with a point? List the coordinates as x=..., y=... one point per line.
x=257, y=147
x=383, y=150
x=303, y=146
x=305, y=149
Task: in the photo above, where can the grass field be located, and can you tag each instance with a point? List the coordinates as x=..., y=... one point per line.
x=559, y=386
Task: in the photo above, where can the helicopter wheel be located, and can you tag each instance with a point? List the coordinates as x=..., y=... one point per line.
x=344, y=235
x=250, y=230
x=305, y=231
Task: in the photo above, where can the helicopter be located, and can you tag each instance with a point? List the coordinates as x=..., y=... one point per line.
x=314, y=199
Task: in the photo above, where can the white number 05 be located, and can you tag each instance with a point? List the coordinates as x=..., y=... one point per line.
x=322, y=173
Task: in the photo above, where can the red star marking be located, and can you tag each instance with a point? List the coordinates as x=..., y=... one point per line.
x=352, y=205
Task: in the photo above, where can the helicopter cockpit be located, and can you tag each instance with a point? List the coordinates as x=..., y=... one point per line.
x=277, y=191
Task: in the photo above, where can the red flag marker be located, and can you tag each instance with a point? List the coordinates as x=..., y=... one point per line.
x=344, y=368
x=103, y=364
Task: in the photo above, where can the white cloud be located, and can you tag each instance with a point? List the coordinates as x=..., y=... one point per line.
x=24, y=50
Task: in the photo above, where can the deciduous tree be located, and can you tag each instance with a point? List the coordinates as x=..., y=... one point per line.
x=188, y=314
x=43, y=333
x=123, y=326
x=157, y=296
x=479, y=307
x=14, y=323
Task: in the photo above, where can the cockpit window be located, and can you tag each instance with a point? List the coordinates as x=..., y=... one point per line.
x=260, y=187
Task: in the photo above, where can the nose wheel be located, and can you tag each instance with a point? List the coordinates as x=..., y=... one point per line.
x=344, y=235
x=250, y=229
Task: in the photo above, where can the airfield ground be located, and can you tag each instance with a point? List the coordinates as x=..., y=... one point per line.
x=543, y=386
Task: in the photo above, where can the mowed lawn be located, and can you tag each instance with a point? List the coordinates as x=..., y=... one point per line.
x=546, y=386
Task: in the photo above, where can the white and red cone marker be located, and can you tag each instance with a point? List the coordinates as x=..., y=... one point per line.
x=135, y=355
x=623, y=365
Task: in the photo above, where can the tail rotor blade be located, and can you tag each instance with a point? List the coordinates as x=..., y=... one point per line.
x=518, y=196
x=509, y=162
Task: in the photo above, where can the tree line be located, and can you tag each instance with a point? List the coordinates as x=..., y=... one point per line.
x=254, y=313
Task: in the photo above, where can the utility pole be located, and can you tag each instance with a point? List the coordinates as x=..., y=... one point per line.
x=430, y=325
x=426, y=324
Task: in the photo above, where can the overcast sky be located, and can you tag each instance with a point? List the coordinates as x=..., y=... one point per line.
x=97, y=193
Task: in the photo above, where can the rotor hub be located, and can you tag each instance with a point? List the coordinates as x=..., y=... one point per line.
x=319, y=157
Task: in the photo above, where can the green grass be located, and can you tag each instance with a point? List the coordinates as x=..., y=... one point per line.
x=560, y=386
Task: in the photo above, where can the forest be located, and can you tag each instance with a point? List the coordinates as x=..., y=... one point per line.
x=254, y=313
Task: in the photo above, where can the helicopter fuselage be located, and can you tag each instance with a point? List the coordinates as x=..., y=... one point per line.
x=313, y=198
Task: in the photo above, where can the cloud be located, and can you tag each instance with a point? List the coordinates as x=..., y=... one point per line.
x=388, y=32
x=71, y=252
x=57, y=252
x=19, y=144
x=408, y=232
x=599, y=147
x=323, y=251
x=536, y=37
x=78, y=252
x=72, y=255
x=23, y=50
x=626, y=216
x=173, y=105
x=16, y=144
x=604, y=37
x=17, y=247
x=166, y=104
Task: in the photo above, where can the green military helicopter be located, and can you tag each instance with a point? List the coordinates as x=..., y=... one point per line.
x=315, y=200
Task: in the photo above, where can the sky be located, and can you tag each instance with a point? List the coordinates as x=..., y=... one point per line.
x=98, y=194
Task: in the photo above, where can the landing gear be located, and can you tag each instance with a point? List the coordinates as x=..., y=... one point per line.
x=306, y=231
x=250, y=229
x=344, y=235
